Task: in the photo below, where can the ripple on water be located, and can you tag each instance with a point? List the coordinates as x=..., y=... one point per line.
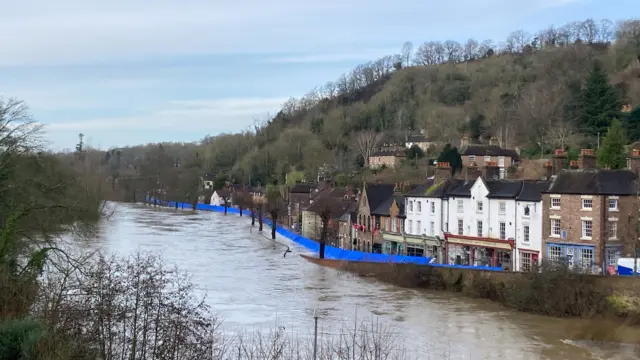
x=250, y=284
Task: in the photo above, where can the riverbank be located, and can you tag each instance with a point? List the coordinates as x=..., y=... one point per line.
x=554, y=292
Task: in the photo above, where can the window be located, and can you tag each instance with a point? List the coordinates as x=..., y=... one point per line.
x=479, y=206
x=612, y=230
x=613, y=254
x=586, y=258
x=555, y=253
x=527, y=211
x=432, y=227
x=419, y=207
x=460, y=206
x=587, y=204
x=525, y=261
x=525, y=233
x=503, y=207
x=472, y=158
x=446, y=227
x=394, y=225
x=501, y=161
x=410, y=227
x=460, y=226
x=503, y=230
x=555, y=203
x=479, y=227
x=587, y=229
x=410, y=205
x=613, y=204
x=555, y=227
x=487, y=159
x=419, y=228
x=433, y=207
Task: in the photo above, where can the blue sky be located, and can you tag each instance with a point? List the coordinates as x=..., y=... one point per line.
x=138, y=71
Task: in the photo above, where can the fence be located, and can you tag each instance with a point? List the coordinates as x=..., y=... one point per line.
x=330, y=252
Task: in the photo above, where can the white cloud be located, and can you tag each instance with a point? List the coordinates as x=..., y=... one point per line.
x=78, y=31
x=206, y=116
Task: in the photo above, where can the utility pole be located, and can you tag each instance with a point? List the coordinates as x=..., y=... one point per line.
x=315, y=334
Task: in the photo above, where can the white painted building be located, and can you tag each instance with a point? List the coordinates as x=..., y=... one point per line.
x=488, y=225
x=217, y=198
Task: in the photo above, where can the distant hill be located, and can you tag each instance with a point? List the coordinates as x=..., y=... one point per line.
x=524, y=91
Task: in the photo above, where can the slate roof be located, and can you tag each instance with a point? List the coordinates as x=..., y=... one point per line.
x=532, y=190
x=378, y=193
x=433, y=189
x=338, y=206
x=300, y=189
x=594, y=182
x=385, y=207
x=460, y=188
x=417, y=138
x=489, y=150
x=503, y=189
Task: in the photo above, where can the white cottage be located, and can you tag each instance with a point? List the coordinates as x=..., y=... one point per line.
x=218, y=196
x=486, y=220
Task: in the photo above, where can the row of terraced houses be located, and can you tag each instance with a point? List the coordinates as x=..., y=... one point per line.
x=577, y=213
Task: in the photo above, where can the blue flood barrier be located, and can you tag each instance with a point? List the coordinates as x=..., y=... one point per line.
x=331, y=252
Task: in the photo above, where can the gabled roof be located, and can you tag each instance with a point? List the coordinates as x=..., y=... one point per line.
x=378, y=193
x=385, y=207
x=488, y=150
x=336, y=205
x=532, y=190
x=594, y=182
x=223, y=192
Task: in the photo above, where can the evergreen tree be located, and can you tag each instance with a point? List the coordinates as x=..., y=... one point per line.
x=599, y=102
x=452, y=156
x=611, y=154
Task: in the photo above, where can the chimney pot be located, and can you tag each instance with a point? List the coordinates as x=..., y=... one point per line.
x=559, y=152
x=635, y=153
x=573, y=164
x=586, y=152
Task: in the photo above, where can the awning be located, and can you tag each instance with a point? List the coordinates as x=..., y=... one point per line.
x=478, y=242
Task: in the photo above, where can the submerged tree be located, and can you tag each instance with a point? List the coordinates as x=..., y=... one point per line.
x=275, y=206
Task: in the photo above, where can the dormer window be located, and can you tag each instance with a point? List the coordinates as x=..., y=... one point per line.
x=527, y=211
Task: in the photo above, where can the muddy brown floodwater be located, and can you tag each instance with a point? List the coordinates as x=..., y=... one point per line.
x=251, y=285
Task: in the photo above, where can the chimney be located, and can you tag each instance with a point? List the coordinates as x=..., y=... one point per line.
x=587, y=159
x=493, y=140
x=491, y=170
x=633, y=162
x=558, y=161
x=443, y=171
x=573, y=164
x=464, y=141
x=471, y=172
x=548, y=167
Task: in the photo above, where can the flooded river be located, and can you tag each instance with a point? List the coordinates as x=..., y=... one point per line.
x=251, y=285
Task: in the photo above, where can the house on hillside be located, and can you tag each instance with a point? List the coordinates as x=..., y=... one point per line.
x=421, y=140
x=373, y=195
x=388, y=158
x=391, y=215
x=346, y=231
x=299, y=199
x=208, y=180
x=591, y=217
x=480, y=155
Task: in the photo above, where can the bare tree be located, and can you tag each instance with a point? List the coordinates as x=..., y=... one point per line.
x=366, y=141
x=427, y=54
x=453, y=51
x=589, y=31
x=407, y=53
x=470, y=50
x=563, y=133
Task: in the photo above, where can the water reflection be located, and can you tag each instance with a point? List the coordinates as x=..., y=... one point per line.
x=251, y=285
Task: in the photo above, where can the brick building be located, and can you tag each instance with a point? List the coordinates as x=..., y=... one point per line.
x=591, y=215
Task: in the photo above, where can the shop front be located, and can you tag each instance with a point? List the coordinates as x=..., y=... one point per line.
x=478, y=251
x=412, y=245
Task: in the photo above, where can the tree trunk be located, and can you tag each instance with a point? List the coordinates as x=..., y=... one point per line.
x=240, y=210
x=260, y=218
x=253, y=216
x=274, y=222
x=176, y=205
x=225, y=207
x=323, y=237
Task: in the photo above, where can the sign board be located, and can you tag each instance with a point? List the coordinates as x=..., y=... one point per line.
x=480, y=243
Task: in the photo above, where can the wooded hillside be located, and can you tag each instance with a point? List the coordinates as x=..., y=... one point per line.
x=557, y=88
